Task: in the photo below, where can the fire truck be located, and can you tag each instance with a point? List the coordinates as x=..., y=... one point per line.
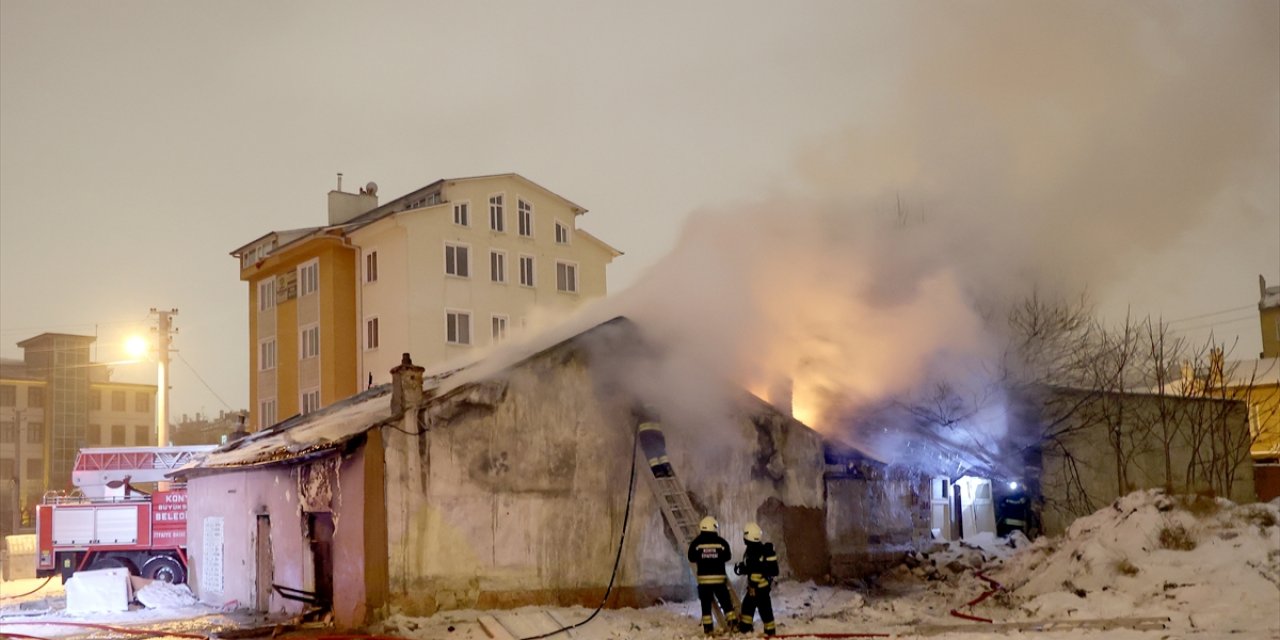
x=109, y=522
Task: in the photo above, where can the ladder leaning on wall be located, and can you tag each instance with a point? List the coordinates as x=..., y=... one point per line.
x=682, y=518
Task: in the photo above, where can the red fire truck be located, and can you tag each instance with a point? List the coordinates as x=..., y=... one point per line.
x=108, y=522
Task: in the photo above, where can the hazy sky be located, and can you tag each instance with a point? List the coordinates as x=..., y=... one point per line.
x=1133, y=148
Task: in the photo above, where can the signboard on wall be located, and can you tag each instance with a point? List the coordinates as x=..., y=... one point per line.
x=287, y=285
x=211, y=559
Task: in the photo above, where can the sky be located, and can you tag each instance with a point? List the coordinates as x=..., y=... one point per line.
x=1129, y=150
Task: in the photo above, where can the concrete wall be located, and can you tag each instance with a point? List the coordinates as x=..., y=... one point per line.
x=517, y=493
x=873, y=520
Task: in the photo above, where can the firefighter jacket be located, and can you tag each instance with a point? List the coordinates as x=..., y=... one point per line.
x=760, y=563
x=710, y=552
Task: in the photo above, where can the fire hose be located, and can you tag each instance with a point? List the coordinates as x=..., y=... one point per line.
x=104, y=627
x=42, y=584
x=995, y=586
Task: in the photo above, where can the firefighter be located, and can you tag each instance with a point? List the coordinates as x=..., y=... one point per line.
x=710, y=552
x=760, y=564
x=652, y=441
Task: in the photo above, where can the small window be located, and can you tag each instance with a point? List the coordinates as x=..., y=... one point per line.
x=117, y=435
x=35, y=468
x=8, y=432
x=524, y=214
x=462, y=214
x=371, y=266
x=309, y=342
x=6, y=469
x=457, y=260
x=499, y=327
x=35, y=432
x=266, y=413
x=562, y=233
x=567, y=277
x=526, y=271
x=8, y=395
x=458, y=327
x=118, y=401
x=93, y=434
x=35, y=397
x=95, y=400
x=371, y=334
x=141, y=435
x=311, y=401
x=498, y=266
x=266, y=294
x=142, y=402
x=497, y=218
x=267, y=354
x=309, y=278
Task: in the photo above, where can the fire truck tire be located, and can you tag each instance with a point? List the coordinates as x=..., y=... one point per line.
x=114, y=562
x=164, y=568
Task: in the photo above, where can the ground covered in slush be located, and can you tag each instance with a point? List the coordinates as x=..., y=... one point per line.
x=1173, y=567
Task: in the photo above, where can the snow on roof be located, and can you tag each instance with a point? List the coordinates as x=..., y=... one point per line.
x=1263, y=371
x=303, y=435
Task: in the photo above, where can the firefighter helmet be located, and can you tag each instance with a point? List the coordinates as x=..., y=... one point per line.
x=752, y=532
x=709, y=524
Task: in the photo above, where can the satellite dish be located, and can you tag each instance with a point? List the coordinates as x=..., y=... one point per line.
x=371, y=188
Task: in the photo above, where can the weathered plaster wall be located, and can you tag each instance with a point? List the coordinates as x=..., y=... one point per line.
x=872, y=521
x=517, y=495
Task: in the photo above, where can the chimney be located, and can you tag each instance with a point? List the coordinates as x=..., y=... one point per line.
x=241, y=429
x=344, y=206
x=406, y=386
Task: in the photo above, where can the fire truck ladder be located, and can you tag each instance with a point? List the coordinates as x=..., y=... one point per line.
x=683, y=519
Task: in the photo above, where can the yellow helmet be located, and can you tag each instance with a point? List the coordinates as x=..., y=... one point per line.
x=752, y=532
x=709, y=524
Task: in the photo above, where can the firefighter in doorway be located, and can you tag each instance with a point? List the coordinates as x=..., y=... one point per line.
x=652, y=441
x=760, y=564
x=710, y=552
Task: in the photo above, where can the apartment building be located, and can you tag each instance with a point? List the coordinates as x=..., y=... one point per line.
x=458, y=264
x=53, y=402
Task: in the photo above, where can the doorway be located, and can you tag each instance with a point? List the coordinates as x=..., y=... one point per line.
x=264, y=568
x=320, y=539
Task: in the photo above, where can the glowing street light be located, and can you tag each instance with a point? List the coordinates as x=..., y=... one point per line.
x=136, y=347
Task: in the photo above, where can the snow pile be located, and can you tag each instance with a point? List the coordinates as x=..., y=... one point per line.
x=162, y=595
x=1203, y=562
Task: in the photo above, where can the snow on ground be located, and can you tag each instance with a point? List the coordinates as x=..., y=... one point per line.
x=1209, y=566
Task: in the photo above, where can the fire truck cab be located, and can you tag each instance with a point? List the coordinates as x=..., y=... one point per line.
x=108, y=522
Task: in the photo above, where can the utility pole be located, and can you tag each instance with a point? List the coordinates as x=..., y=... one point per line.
x=164, y=330
x=20, y=498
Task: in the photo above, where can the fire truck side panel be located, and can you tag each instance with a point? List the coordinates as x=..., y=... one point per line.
x=44, y=537
x=72, y=527
x=116, y=525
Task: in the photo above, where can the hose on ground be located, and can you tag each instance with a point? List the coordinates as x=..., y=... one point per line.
x=42, y=584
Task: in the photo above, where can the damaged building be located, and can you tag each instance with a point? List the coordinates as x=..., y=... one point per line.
x=498, y=485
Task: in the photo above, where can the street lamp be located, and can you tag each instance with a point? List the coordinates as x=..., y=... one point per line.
x=136, y=347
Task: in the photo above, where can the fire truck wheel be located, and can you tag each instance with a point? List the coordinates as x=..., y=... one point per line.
x=114, y=562
x=164, y=568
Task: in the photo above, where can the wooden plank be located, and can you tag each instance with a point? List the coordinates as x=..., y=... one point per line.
x=1139, y=624
x=494, y=629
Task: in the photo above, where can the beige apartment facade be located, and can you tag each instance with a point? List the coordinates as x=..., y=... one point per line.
x=451, y=268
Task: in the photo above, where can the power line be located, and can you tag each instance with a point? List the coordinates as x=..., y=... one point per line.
x=1214, y=324
x=1215, y=313
x=206, y=384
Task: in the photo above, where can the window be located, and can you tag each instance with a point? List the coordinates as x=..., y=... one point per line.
x=8, y=432
x=499, y=326
x=456, y=260
x=35, y=396
x=267, y=354
x=266, y=413
x=458, y=327
x=117, y=401
x=567, y=277
x=524, y=218
x=371, y=266
x=526, y=271
x=93, y=434
x=35, y=432
x=562, y=233
x=117, y=435
x=35, y=468
x=371, y=333
x=141, y=435
x=8, y=395
x=497, y=220
x=309, y=342
x=142, y=402
x=498, y=266
x=462, y=214
x=308, y=278
x=6, y=469
x=266, y=294
x=95, y=400
x=311, y=401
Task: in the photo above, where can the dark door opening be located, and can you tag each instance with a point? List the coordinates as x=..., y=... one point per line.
x=265, y=570
x=320, y=537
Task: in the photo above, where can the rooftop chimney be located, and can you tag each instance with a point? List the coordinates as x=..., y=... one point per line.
x=406, y=385
x=344, y=206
